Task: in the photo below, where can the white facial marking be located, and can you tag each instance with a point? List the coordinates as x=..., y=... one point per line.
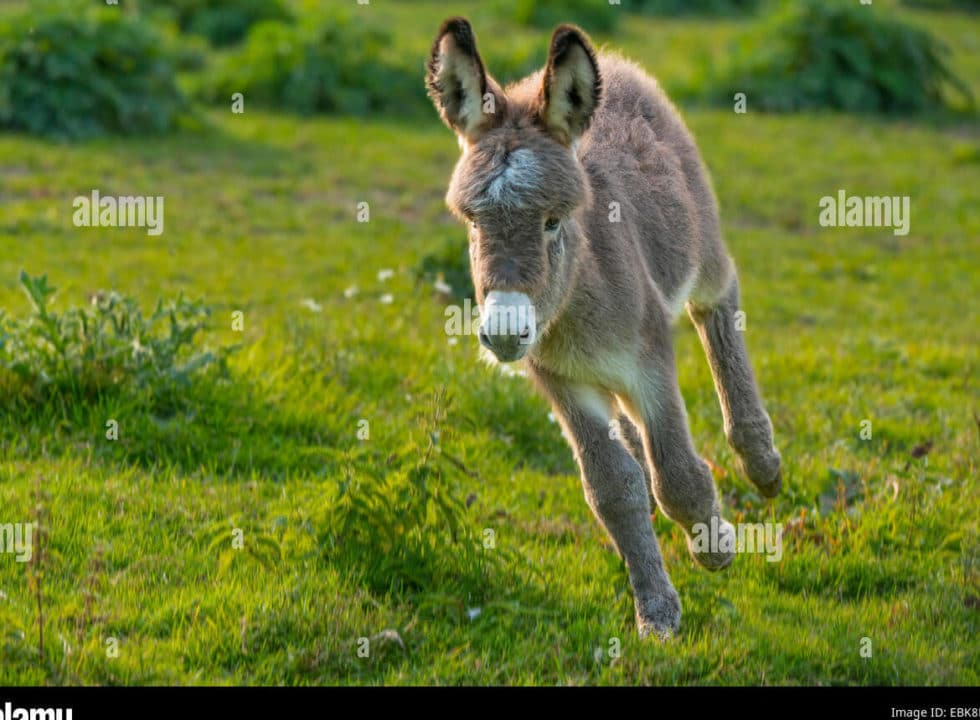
x=522, y=174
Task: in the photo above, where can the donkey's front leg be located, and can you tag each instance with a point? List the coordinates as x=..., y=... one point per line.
x=616, y=491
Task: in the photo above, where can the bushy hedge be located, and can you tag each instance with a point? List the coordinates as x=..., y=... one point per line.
x=340, y=67
x=222, y=22
x=836, y=54
x=74, y=72
x=946, y=5
x=691, y=7
x=600, y=16
x=591, y=15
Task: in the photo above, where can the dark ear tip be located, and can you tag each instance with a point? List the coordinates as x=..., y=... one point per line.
x=566, y=34
x=460, y=29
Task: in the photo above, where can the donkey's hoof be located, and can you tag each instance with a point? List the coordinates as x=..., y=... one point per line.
x=714, y=552
x=764, y=471
x=660, y=616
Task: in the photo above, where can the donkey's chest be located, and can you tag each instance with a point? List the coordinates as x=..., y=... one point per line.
x=613, y=367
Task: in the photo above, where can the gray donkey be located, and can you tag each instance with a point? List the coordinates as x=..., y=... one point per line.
x=592, y=224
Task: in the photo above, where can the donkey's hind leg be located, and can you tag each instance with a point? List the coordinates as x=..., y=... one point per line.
x=747, y=426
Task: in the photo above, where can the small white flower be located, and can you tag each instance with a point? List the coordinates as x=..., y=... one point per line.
x=552, y=418
x=443, y=287
x=311, y=304
x=387, y=299
x=385, y=274
x=453, y=341
x=350, y=292
x=474, y=613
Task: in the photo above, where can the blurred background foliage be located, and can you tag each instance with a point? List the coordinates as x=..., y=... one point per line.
x=840, y=56
x=77, y=68
x=222, y=22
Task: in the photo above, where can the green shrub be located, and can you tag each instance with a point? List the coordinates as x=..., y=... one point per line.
x=69, y=72
x=946, y=5
x=594, y=16
x=108, y=346
x=407, y=528
x=338, y=68
x=691, y=7
x=839, y=55
x=509, y=61
x=189, y=52
x=450, y=265
x=222, y=22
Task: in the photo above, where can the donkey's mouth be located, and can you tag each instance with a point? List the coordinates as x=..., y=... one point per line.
x=525, y=336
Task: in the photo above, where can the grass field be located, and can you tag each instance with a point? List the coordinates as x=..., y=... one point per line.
x=843, y=326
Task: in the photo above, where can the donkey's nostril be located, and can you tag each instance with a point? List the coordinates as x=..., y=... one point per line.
x=485, y=340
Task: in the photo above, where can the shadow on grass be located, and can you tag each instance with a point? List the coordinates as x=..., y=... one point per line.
x=210, y=149
x=216, y=426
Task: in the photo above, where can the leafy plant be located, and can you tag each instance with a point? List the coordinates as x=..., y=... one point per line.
x=450, y=265
x=406, y=529
x=691, y=7
x=222, y=22
x=839, y=55
x=339, y=67
x=68, y=71
x=108, y=346
x=946, y=5
x=591, y=15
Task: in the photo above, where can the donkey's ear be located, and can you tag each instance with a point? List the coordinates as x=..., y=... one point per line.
x=467, y=99
x=571, y=86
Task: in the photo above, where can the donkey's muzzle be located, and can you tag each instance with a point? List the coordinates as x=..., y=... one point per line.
x=507, y=325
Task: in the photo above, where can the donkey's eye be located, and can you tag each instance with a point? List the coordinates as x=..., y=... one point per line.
x=551, y=224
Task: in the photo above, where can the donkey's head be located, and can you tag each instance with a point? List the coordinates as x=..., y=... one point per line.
x=518, y=182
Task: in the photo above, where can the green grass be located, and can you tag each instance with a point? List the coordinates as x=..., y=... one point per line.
x=842, y=325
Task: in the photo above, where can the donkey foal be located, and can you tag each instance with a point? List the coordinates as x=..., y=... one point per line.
x=592, y=225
